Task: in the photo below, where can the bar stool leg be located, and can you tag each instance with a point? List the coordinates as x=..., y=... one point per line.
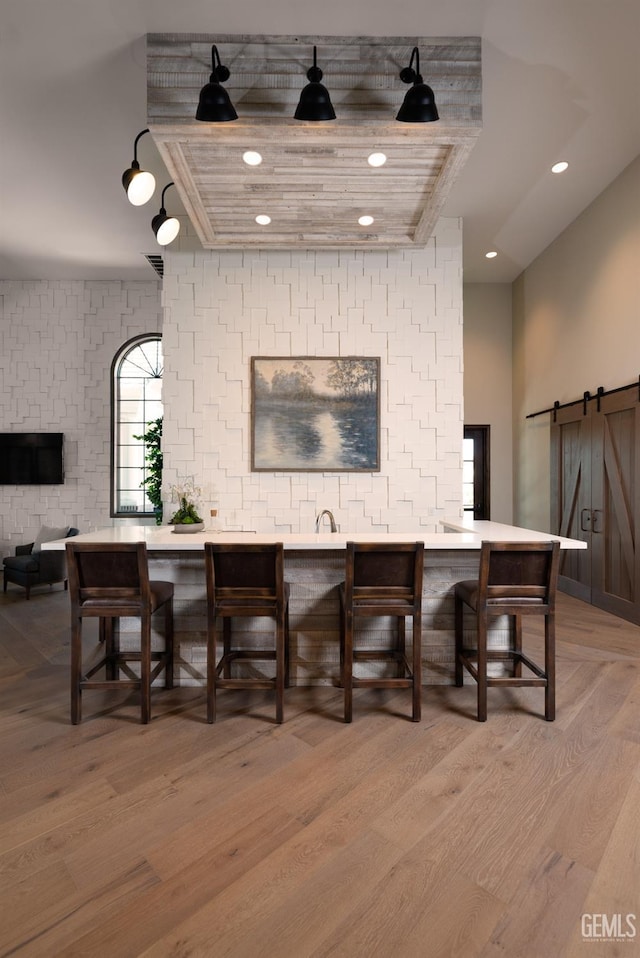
x=226, y=646
x=459, y=634
x=168, y=644
x=417, y=668
x=342, y=634
x=280, y=667
x=211, y=668
x=107, y=638
x=517, y=646
x=347, y=671
x=482, y=667
x=145, y=669
x=287, y=661
x=401, y=646
x=550, y=667
x=76, y=671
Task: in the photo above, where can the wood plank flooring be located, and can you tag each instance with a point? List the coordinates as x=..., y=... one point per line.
x=380, y=839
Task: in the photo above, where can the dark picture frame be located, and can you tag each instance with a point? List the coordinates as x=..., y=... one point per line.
x=315, y=414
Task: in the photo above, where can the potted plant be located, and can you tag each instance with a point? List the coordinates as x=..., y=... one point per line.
x=152, y=483
x=186, y=518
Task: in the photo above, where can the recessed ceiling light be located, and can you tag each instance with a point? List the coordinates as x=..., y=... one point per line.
x=365, y=220
x=491, y=254
x=377, y=159
x=560, y=167
x=252, y=158
x=262, y=219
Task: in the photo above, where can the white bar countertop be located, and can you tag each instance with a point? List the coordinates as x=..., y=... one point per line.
x=463, y=534
x=499, y=532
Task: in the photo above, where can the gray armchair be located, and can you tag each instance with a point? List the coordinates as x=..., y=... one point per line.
x=30, y=566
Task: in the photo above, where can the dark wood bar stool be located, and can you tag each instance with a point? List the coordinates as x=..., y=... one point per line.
x=246, y=581
x=515, y=579
x=382, y=580
x=108, y=581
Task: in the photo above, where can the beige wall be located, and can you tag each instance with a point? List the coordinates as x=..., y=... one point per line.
x=576, y=326
x=487, y=383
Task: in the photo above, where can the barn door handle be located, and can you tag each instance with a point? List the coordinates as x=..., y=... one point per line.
x=585, y=520
x=598, y=524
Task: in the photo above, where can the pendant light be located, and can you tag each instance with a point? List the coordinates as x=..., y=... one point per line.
x=315, y=102
x=214, y=105
x=419, y=103
x=139, y=185
x=165, y=227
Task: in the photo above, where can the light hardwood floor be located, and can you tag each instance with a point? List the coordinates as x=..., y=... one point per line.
x=382, y=838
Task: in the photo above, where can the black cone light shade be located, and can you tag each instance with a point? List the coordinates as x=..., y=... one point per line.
x=214, y=105
x=139, y=185
x=315, y=102
x=419, y=103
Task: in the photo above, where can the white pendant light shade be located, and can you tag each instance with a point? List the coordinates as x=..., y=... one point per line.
x=139, y=185
x=165, y=227
x=167, y=230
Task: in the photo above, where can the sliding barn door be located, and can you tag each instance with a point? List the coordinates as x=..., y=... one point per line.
x=615, y=556
x=595, y=495
x=571, y=495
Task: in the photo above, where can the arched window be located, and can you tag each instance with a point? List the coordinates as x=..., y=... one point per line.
x=136, y=404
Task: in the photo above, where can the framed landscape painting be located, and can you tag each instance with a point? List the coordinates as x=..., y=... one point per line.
x=315, y=415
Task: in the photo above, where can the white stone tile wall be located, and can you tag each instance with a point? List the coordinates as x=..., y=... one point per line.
x=405, y=306
x=58, y=339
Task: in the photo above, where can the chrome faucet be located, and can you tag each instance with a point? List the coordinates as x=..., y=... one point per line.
x=332, y=521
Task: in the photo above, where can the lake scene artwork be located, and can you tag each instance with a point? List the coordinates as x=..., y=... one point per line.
x=315, y=415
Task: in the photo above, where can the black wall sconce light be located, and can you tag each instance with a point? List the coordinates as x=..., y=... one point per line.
x=419, y=103
x=214, y=105
x=138, y=184
x=165, y=227
x=315, y=102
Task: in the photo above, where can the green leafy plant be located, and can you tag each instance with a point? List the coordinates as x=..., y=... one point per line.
x=152, y=483
x=186, y=495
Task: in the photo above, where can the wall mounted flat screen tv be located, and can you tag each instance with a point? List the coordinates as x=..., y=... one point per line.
x=31, y=458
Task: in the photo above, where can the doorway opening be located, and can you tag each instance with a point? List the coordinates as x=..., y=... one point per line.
x=475, y=472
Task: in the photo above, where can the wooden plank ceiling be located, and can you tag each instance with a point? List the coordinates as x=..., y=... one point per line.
x=314, y=181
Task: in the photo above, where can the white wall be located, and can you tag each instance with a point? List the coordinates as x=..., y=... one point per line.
x=220, y=309
x=487, y=383
x=57, y=343
x=576, y=327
